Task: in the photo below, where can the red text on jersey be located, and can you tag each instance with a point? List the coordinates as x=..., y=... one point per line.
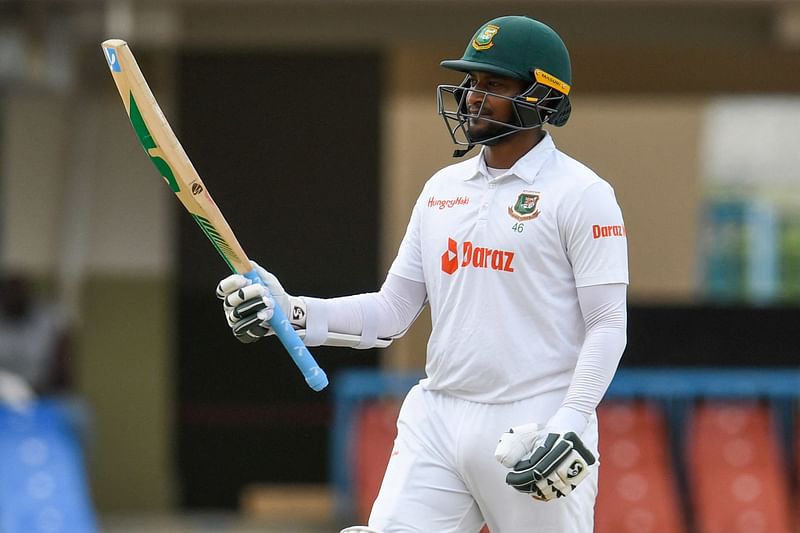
x=446, y=204
x=600, y=232
x=473, y=256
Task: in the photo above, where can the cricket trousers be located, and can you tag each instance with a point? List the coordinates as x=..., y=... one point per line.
x=442, y=475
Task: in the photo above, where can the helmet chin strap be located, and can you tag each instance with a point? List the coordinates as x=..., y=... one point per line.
x=463, y=152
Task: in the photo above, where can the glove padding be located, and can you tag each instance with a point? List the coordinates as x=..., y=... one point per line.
x=516, y=443
x=554, y=469
x=249, y=306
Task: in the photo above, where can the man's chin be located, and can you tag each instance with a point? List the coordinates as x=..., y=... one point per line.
x=481, y=132
x=487, y=135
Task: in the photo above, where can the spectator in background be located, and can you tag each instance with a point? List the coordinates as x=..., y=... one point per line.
x=45, y=434
x=35, y=354
x=34, y=339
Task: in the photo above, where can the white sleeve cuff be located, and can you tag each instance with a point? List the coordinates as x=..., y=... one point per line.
x=567, y=419
x=316, y=322
x=369, y=333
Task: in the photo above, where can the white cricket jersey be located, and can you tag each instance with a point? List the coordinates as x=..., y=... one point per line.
x=501, y=259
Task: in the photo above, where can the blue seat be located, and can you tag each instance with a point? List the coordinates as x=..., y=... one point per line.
x=43, y=486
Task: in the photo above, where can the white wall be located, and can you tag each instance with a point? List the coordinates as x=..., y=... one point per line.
x=119, y=223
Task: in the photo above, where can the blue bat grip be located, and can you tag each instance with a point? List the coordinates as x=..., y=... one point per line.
x=315, y=376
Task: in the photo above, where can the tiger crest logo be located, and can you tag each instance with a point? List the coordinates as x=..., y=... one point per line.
x=484, y=39
x=526, y=206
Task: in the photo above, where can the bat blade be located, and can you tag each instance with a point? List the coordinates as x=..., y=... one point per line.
x=168, y=156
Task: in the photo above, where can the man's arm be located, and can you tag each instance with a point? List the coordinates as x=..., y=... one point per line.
x=559, y=460
x=605, y=317
x=367, y=320
x=386, y=314
x=359, y=321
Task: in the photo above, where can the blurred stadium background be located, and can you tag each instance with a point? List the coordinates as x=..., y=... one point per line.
x=314, y=124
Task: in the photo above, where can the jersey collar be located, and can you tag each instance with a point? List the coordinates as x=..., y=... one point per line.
x=526, y=168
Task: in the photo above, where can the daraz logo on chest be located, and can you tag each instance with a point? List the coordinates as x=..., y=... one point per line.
x=475, y=257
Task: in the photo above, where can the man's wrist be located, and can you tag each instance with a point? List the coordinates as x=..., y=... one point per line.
x=567, y=419
x=297, y=312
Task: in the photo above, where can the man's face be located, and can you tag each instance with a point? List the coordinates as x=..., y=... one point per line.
x=491, y=107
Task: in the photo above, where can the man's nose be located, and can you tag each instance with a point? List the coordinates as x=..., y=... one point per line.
x=474, y=97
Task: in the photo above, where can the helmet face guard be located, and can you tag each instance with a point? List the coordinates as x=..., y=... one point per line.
x=537, y=105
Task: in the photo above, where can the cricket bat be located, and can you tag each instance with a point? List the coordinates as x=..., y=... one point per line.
x=165, y=151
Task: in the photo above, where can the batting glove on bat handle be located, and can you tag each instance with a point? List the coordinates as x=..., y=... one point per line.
x=314, y=375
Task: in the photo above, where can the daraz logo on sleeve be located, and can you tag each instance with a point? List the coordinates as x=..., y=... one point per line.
x=601, y=232
x=475, y=257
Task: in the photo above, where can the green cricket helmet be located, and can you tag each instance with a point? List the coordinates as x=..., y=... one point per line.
x=517, y=47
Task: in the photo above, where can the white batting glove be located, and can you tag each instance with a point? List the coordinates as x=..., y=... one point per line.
x=517, y=443
x=554, y=469
x=276, y=290
x=359, y=529
x=249, y=306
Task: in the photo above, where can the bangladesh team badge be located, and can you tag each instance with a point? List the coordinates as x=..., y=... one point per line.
x=526, y=206
x=483, y=39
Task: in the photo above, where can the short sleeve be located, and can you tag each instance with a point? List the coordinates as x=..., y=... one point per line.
x=408, y=263
x=595, y=237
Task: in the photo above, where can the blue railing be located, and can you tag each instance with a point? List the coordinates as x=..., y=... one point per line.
x=676, y=388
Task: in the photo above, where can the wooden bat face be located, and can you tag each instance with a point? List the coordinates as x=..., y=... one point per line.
x=167, y=154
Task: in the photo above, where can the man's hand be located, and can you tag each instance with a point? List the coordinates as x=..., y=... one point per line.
x=516, y=443
x=248, y=306
x=554, y=470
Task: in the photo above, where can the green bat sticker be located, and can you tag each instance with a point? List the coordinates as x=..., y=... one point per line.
x=148, y=143
x=219, y=243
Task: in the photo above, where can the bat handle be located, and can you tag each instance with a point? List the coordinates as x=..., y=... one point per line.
x=315, y=376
